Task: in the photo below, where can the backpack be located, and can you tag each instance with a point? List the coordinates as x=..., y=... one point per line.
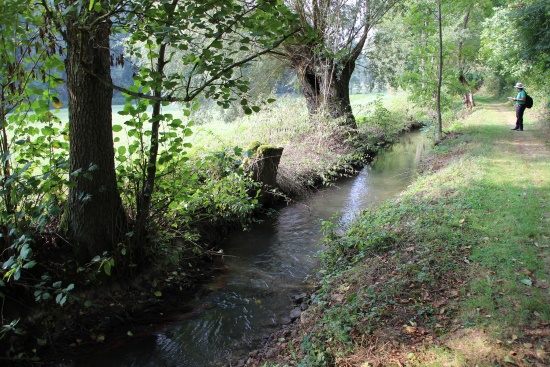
x=528, y=101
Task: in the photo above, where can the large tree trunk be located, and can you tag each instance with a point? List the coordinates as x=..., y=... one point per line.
x=95, y=218
x=326, y=89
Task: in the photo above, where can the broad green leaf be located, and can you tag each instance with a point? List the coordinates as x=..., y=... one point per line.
x=107, y=268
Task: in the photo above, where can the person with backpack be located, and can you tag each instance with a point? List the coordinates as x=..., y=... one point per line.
x=520, y=99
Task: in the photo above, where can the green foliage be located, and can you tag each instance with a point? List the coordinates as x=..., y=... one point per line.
x=210, y=41
x=499, y=50
x=188, y=192
x=516, y=45
x=406, y=50
x=220, y=189
x=33, y=156
x=377, y=119
x=533, y=30
x=33, y=142
x=44, y=291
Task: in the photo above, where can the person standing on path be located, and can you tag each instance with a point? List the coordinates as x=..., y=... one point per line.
x=520, y=106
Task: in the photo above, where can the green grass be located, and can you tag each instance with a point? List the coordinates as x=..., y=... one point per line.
x=463, y=254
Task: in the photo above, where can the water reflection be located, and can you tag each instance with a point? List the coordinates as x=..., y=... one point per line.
x=265, y=267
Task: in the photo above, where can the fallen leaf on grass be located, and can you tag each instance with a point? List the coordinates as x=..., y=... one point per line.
x=509, y=360
x=337, y=297
x=439, y=303
x=527, y=282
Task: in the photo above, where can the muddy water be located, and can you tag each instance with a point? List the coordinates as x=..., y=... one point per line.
x=264, y=268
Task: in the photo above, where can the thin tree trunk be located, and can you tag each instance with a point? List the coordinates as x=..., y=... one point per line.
x=468, y=96
x=6, y=161
x=440, y=72
x=145, y=196
x=94, y=218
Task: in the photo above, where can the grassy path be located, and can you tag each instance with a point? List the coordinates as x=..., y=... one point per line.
x=510, y=273
x=453, y=272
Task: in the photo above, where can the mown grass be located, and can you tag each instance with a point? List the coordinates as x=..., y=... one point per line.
x=453, y=272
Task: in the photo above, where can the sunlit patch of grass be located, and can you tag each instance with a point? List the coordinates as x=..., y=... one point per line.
x=474, y=347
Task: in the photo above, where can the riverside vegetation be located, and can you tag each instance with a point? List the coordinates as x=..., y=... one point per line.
x=70, y=305
x=453, y=272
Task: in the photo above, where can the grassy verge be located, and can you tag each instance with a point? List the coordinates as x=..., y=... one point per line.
x=453, y=272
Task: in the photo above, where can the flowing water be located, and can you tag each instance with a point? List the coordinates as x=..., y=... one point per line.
x=264, y=268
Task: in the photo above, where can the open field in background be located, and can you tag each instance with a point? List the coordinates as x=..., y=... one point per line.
x=277, y=123
x=313, y=148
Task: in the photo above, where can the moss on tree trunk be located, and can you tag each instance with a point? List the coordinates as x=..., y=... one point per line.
x=264, y=166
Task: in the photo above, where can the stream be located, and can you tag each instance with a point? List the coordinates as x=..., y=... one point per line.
x=263, y=269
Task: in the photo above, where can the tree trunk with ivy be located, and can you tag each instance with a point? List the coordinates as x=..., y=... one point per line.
x=94, y=217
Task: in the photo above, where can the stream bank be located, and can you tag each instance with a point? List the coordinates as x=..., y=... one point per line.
x=120, y=311
x=261, y=270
